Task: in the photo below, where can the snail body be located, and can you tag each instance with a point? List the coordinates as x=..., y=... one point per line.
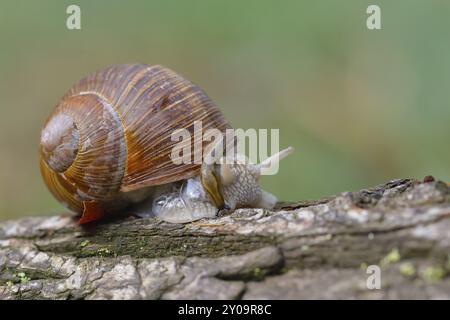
x=107, y=147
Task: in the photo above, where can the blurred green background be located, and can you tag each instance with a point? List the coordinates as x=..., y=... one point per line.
x=361, y=107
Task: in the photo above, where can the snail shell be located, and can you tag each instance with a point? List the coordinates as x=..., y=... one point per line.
x=110, y=135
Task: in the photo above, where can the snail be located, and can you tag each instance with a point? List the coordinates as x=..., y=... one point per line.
x=106, y=149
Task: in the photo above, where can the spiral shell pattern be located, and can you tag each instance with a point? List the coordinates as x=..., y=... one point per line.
x=111, y=133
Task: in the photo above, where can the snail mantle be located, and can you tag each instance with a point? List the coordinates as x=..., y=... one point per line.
x=311, y=249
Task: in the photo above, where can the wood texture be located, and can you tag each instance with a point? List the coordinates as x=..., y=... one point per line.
x=309, y=249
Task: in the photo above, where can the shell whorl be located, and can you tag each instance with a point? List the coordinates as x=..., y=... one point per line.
x=59, y=142
x=95, y=170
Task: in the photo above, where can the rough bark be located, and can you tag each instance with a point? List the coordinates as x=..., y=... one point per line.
x=310, y=249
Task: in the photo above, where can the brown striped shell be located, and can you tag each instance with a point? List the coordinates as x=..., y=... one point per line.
x=111, y=133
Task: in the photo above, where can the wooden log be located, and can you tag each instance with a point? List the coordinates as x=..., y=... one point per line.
x=304, y=250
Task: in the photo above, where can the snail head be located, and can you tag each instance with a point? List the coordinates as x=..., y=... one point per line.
x=232, y=181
